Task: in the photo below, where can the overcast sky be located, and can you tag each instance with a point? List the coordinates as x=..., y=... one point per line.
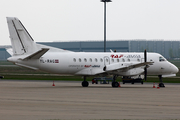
x=72, y=20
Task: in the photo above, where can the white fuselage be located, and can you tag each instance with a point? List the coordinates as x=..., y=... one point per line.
x=25, y=52
x=83, y=63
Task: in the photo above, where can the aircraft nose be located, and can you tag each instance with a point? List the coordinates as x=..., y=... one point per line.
x=175, y=69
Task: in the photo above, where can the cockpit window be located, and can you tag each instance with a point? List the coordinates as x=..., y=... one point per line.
x=161, y=59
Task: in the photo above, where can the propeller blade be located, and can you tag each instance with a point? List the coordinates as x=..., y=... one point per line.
x=145, y=74
x=145, y=69
x=145, y=56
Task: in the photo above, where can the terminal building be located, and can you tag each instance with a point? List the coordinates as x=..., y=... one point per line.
x=169, y=49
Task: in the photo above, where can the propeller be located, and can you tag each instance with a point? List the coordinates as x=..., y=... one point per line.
x=145, y=69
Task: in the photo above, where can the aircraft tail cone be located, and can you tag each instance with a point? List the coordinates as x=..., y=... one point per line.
x=53, y=84
x=119, y=85
x=154, y=85
x=158, y=86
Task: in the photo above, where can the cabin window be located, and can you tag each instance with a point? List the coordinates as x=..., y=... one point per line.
x=128, y=60
x=138, y=60
x=112, y=60
x=123, y=60
x=79, y=59
x=101, y=60
x=96, y=59
x=117, y=60
x=85, y=60
x=161, y=59
x=90, y=59
x=74, y=59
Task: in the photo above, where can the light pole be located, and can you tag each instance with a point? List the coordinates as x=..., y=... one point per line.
x=105, y=22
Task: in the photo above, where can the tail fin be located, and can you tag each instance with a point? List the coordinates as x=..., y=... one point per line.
x=22, y=42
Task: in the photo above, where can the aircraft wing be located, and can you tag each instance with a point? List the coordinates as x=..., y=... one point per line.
x=124, y=67
x=137, y=65
x=112, y=68
x=90, y=71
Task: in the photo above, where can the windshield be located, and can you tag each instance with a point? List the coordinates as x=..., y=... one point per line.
x=161, y=59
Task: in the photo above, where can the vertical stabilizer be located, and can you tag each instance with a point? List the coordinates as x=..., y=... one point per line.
x=22, y=42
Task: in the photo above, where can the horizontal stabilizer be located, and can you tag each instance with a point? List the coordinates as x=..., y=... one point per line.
x=10, y=51
x=26, y=66
x=37, y=54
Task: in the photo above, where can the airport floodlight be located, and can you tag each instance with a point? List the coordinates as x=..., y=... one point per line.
x=105, y=22
x=106, y=1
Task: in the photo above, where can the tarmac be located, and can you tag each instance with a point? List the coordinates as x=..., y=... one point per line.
x=39, y=100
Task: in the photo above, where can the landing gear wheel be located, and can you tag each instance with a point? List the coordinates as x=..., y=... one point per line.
x=115, y=84
x=161, y=85
x=85, y=84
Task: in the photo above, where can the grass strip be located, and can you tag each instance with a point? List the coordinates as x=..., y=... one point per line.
x=79, y=78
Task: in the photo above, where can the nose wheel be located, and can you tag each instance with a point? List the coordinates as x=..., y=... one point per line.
x=161, y=84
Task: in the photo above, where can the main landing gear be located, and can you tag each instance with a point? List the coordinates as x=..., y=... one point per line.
x=85, y=83
x=114, y=83
x=161, y=84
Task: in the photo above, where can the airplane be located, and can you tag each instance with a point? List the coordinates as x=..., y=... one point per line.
x=27, y=53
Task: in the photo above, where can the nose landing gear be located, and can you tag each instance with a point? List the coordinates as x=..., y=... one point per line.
x=161, y=84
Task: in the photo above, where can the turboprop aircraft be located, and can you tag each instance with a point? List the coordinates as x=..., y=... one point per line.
x=26, y=53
